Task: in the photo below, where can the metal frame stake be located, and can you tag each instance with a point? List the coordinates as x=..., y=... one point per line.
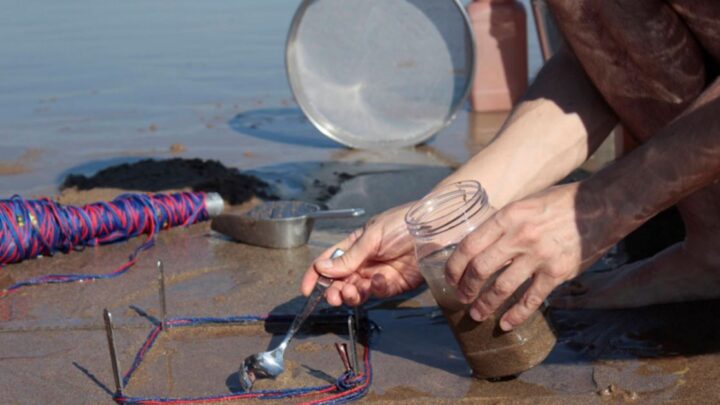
x=113, y=352
x=356, y=313
x=163, y=300
x=343, y=352
x=353, y=343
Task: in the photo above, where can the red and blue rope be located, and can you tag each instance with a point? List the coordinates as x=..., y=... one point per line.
x=348, y=387
x=31, y=228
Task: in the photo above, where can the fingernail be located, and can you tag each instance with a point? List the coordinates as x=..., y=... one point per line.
x=324, y=264
x=476, y=315
x=505, y=325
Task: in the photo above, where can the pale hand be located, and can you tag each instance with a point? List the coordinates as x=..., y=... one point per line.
x=379, y=261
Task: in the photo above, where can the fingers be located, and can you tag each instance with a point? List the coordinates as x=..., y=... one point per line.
x=358, y=247
x=351, y=295
x=501, y=289
x=320, y=265
x=488, y=233
x=480, y=269
x=530, y=302
x=386, y=283
x=380, y=281
x=353, y=291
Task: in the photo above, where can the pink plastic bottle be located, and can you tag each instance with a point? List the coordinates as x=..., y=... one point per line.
x=501, y=68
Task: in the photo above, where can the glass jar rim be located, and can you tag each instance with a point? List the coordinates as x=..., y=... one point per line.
x=421, y=223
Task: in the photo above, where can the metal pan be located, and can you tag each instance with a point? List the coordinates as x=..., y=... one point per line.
x=378, y=74
x=277, y=224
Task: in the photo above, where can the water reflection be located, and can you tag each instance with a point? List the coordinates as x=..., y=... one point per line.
x=283, y=125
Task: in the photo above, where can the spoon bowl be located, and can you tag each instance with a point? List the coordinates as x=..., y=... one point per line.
x=271, y=364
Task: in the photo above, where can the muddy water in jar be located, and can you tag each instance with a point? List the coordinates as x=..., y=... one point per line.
x=489, y=351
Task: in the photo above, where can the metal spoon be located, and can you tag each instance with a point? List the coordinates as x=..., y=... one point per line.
x=271, y=364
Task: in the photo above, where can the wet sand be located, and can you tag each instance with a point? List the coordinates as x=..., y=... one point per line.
x=228, y=100
x=23, y=164
x=49, y=334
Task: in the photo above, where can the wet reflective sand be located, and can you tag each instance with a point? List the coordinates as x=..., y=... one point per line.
x=107, y=84
x=49, y=334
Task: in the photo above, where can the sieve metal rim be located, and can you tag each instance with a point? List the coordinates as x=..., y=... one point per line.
x=327, y=128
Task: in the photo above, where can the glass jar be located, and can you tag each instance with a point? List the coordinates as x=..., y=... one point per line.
x=438, y=223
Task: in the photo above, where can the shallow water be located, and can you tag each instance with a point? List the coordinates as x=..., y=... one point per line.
x=86, y=84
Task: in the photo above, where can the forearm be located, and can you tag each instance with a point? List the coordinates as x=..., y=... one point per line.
x=560, y=122
x=679, y=160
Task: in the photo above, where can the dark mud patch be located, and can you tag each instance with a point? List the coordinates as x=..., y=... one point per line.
x=327, y=186
x=157, y=175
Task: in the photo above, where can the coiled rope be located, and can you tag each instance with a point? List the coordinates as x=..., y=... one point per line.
x=30, y=228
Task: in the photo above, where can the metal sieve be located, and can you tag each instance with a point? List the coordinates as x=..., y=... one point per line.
x=377, y=74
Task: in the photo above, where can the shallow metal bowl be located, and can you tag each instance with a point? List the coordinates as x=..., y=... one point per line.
x=380, y=74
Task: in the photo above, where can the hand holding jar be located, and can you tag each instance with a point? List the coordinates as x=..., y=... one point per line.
x=453, y=216
x=526, y=250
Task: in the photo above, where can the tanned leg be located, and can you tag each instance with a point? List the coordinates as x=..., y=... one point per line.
x=646, y=58
x=686, y=271
x=703, y=19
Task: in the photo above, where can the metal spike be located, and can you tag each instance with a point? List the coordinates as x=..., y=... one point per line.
x=163, y=300
x=356, y=313
x=353, y=343
x=343, y=352
x=113, y=352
